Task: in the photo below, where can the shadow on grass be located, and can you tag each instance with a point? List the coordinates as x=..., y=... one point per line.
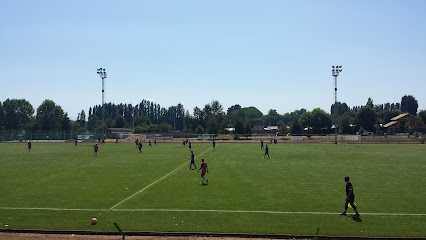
x=356, y=218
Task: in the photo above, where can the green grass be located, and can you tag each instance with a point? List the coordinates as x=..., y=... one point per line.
x=59, y=187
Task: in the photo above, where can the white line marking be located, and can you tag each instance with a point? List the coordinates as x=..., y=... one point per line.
x=143, y=189
x=207, y=210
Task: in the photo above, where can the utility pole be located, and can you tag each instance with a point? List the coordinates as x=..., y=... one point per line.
x=335, y=72
x=102, y=73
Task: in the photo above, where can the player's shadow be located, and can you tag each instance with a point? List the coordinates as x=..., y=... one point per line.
x=356, y=218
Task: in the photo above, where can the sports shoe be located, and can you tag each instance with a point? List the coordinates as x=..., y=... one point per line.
x=207, y=181
x=343, y=214
x=356, y=215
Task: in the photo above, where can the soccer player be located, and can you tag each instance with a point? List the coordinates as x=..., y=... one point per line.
x=266, y=152
x=29, y=146
x=270, y=140
x=140, y=147
x=183, y=143
x=350, y=197
x=155, y=142
x=103, y=141
x=137, y=142
x=203, y=169
x=76, y=144
x=261, y=144
x=150, y=143
x=192, y=161
x=214, y=146
x=189, y=145
x=96, y=149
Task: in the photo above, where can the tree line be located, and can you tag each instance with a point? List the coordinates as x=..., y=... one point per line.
x=150, y=117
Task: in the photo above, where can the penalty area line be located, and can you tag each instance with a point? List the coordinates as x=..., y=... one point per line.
x=156, y=181
x=208, y=210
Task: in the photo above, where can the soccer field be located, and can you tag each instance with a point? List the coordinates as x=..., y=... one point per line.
x=301, y=187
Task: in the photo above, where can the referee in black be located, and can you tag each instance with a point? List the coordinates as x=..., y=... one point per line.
x=350, y=197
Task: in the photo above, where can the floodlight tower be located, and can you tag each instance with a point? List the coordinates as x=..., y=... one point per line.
x=102, y=73
x=335, y=72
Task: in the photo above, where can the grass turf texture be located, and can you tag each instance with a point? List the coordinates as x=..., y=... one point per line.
x=298, y=178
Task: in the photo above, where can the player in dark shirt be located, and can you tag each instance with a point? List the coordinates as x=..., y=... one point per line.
x=350, y=197
x=266, y=152
x=192, y=161
x=140, y=147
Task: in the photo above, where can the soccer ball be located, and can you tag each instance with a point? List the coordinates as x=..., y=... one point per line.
x=94, y=221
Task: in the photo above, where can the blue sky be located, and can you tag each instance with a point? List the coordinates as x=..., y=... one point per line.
x=268, y=54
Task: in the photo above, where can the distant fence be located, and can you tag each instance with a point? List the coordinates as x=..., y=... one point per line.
x=45, y=135
x=61, y=136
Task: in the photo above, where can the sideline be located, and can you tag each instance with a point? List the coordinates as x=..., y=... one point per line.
x=158, y=180
x=209, y=210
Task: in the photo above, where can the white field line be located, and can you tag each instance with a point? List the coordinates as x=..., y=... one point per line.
x=207, y=210
x=156, y=181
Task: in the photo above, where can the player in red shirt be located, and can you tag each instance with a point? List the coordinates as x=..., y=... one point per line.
x=137, y=142
x=103, y=141
x=96, y=149
x=155, y=142
x=203, y=169
x=76, y=144
x=29, y=146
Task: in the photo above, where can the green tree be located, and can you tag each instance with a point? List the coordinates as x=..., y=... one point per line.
x=254, y=116
x=18, y=114
x=306, y=121
x=340, y=107
x=366, y=118
x=199, y=129
x=109, y=123
x=422, y=115
x=142, y=121
x=409, y=104
x=2, y=120
x=240, y=121
x=199, y=116
x=248, y=127
x=370, y=103
x=92, y=122
x=321, y=121
x=164, y=128
x=230, y=112
x=283, y=128
x=49, y=115
x=272, y=117
x=213, y=125
x=296, y=128
x=345, y=122
x=65, y=122
x=82, y=118
x=189, y=122
x=120, y=122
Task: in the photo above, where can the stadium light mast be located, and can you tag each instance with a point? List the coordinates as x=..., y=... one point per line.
x=102, y=73
x=335, y=72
